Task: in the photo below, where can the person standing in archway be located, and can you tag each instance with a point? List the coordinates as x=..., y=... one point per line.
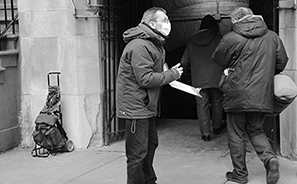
x=206, y=74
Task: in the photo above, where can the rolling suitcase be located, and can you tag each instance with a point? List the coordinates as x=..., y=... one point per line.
x=49, y=136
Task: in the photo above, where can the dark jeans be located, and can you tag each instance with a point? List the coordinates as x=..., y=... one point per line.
x=250, y=123
x=209, y=96
x=141, y=143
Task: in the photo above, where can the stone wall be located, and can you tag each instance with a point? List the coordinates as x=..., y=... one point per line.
x=52, y=39
x=288, y=33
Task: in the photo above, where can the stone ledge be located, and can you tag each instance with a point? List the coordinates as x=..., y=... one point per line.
x=9, y=42
x=2, y=74
x=9, y=58
x=9, y=52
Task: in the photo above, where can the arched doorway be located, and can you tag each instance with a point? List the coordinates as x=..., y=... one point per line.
x=117, y=16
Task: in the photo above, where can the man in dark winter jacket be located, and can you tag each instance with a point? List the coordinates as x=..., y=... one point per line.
x=251, y=55
x=140, y=76
x=205, y=74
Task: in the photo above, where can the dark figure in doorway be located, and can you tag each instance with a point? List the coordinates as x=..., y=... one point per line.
x=251, y=55
x=140, y=77
x=206, y=74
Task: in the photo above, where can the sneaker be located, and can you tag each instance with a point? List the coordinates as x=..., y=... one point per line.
x=231, y=177
x=272, y=171
x=217, y=131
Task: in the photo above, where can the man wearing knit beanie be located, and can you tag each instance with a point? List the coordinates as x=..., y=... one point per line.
x=206, y=74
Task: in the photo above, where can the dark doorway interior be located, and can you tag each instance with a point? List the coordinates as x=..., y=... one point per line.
x=268, y=10
x=175, y=103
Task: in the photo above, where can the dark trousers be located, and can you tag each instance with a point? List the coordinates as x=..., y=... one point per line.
x=141, y=143
x=250, y=123
x=209, y=96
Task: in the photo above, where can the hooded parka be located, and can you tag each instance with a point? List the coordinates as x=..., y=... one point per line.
x=140, y=73
x=197, y=56
x=254, y=54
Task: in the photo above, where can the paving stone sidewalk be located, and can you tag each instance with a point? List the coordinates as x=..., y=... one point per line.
x=181, y=158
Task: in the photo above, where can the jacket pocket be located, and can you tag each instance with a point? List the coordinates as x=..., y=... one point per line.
x=224, y=79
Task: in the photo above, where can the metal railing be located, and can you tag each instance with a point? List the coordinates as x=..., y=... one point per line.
x=8, y=17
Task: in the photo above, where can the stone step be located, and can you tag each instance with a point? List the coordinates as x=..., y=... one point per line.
x=5, y=53
x=9, y=58
x=9, y=51
x=9, y=42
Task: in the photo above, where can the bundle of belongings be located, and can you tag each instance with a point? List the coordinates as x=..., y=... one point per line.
x=285, y=91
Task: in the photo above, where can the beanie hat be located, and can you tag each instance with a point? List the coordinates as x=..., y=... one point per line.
x=208, y=22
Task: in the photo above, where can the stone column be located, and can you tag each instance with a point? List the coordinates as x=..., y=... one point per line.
x=52, y=39
x=288, y=33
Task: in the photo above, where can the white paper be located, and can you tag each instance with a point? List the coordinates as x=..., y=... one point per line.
x=181, y=86
x=186, y=88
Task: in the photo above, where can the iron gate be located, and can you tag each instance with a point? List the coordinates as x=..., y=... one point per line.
x=116, y=17
x=268, y=10
x=8, y=17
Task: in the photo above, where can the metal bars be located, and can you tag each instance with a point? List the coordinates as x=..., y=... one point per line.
x=8, y=17
x=117, y=16
x=269, y=11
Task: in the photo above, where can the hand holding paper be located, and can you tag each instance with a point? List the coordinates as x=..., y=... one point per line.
x=177, y=67
x=181, y=86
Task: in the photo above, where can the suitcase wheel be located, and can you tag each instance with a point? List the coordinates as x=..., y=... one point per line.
x=69, y=146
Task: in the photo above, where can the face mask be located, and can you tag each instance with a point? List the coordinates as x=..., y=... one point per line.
x=165, y=28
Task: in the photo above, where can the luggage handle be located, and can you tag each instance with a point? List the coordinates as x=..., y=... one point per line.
x=53, y=73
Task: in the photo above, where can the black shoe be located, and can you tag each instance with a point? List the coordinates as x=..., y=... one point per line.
x=231, y=177
x=217, y=131
x=272, y=172
x=206, y=138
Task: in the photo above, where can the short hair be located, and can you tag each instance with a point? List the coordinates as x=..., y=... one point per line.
x=150, y=14
x=240, y=12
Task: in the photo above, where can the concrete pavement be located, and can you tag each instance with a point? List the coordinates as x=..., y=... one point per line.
x=181, y=158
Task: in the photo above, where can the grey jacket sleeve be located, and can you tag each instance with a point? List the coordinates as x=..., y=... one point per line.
x=143, y=68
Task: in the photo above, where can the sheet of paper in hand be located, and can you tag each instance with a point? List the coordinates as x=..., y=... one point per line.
x=183, y=87
x=186, y=88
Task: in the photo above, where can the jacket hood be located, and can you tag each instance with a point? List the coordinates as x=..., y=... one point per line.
x=143, y=31
x=250, y=26
x=208, y=22
x=204, y=37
